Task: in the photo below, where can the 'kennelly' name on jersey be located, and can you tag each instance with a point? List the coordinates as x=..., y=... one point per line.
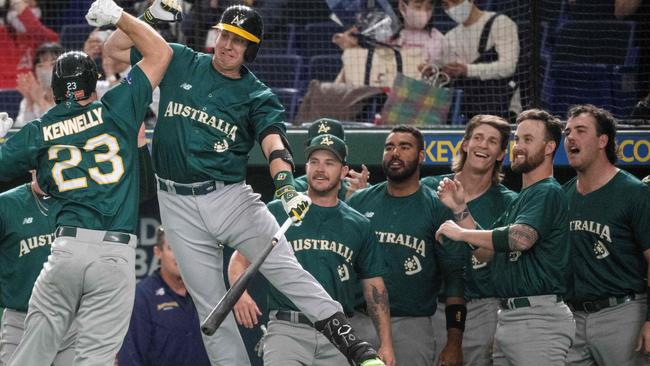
x=402, y=239
x=178, y=109
x=29, y=244
x=73, y=125
x=593, y=227
x=318, y=244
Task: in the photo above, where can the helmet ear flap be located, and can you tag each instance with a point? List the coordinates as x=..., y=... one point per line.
x=251, y=51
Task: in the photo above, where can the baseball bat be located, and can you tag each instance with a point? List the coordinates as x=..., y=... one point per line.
x=228, y=301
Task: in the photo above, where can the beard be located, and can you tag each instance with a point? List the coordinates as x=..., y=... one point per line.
x=323, y=191
x=530, y=163
x=402, y=174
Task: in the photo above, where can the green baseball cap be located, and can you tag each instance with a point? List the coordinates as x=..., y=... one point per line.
x=325, y=126
x=330, y=143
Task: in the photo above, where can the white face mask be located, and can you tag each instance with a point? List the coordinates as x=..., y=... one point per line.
x=416, y=18
x=460, y=12
x=44, y=76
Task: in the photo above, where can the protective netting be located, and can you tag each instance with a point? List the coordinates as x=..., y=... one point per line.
x=507, y=55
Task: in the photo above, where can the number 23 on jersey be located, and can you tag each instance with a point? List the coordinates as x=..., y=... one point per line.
x=92, y=144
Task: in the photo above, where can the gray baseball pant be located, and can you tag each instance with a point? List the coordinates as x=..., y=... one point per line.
x=12, y=328
x=480, y=326
x=538, y=335
x=413, y=338
x=234, y=215
x=295, y=344
x=609, y=336
x=86, y=281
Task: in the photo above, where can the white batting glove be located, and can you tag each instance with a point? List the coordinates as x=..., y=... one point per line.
x=5, y=123
x=103, y=12
x=164, y=11
x=295, y=204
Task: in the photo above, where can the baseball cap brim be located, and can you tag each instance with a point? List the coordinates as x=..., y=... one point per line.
x=238, y=31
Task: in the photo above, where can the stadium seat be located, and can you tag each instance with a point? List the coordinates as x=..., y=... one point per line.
x=566, y=84
x=278, y=71
x=316, y=39
x=289, y=98
x=10, y=102
x=73, y=36
x=596, y=42
x=324, y=67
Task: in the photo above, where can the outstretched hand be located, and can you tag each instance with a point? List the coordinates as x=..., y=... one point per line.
x=452, y=194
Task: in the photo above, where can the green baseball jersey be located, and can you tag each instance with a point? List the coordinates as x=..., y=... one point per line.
x=208, y=123
x=301, y=186
x=542, y=269
x=334, y=244
x=485, y=209
x=87, y=156
x=609, y=229
x=405, y=228
x=27, y=224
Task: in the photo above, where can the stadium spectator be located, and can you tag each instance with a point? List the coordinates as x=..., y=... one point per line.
x=485, y=77
x=164, y=328
x=35, y=86
x=418, y=42
x=21, y=32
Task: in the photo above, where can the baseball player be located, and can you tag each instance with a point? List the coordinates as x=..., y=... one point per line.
x=609, y=231
x=478, y=167
x=85, y=151
x=27, y=229
x=404, y=215
x=351, y=183
x=336, y=245
x=212, y=110
x=528, y=248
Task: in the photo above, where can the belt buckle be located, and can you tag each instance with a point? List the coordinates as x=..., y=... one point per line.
x=590, y=306
x=511, y=303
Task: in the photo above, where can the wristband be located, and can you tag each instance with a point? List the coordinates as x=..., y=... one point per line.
x=647, y=310
x=456, y=314
x=283, y=178
x=148, y=18
x=500, y=239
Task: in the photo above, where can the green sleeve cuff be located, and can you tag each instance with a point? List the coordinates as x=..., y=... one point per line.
x=283, y=178
x=500, y=239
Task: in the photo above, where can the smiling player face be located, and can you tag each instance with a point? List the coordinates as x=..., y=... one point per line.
x=324, y=173
x=483, y=149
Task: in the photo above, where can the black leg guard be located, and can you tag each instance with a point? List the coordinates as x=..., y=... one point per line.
x=339, y=331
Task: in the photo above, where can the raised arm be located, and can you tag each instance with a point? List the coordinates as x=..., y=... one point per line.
x=156, y=53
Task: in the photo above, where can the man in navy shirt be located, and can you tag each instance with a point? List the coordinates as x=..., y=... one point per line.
x=164, y=327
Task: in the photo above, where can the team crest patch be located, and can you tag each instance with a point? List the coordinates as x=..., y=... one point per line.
x=412, y=265
x=221, y=146
x=323, y=128
x=326, y=141
x=343, y=272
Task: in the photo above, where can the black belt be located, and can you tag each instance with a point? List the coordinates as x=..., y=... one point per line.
x=185, y=190
x=593, y=306
x=519, y=302
x=290, y=316
x=110, y=236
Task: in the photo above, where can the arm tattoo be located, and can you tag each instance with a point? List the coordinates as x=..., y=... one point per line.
x=460, y=216
x=521, y=237
x=378, y=304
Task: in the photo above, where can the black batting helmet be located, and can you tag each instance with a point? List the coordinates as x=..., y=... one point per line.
x=245, y=22
x=74, y=77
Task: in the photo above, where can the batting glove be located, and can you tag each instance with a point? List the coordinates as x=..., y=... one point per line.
x=295, y=204
x=5, y=123
x=103, y=12
x=163, y=11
